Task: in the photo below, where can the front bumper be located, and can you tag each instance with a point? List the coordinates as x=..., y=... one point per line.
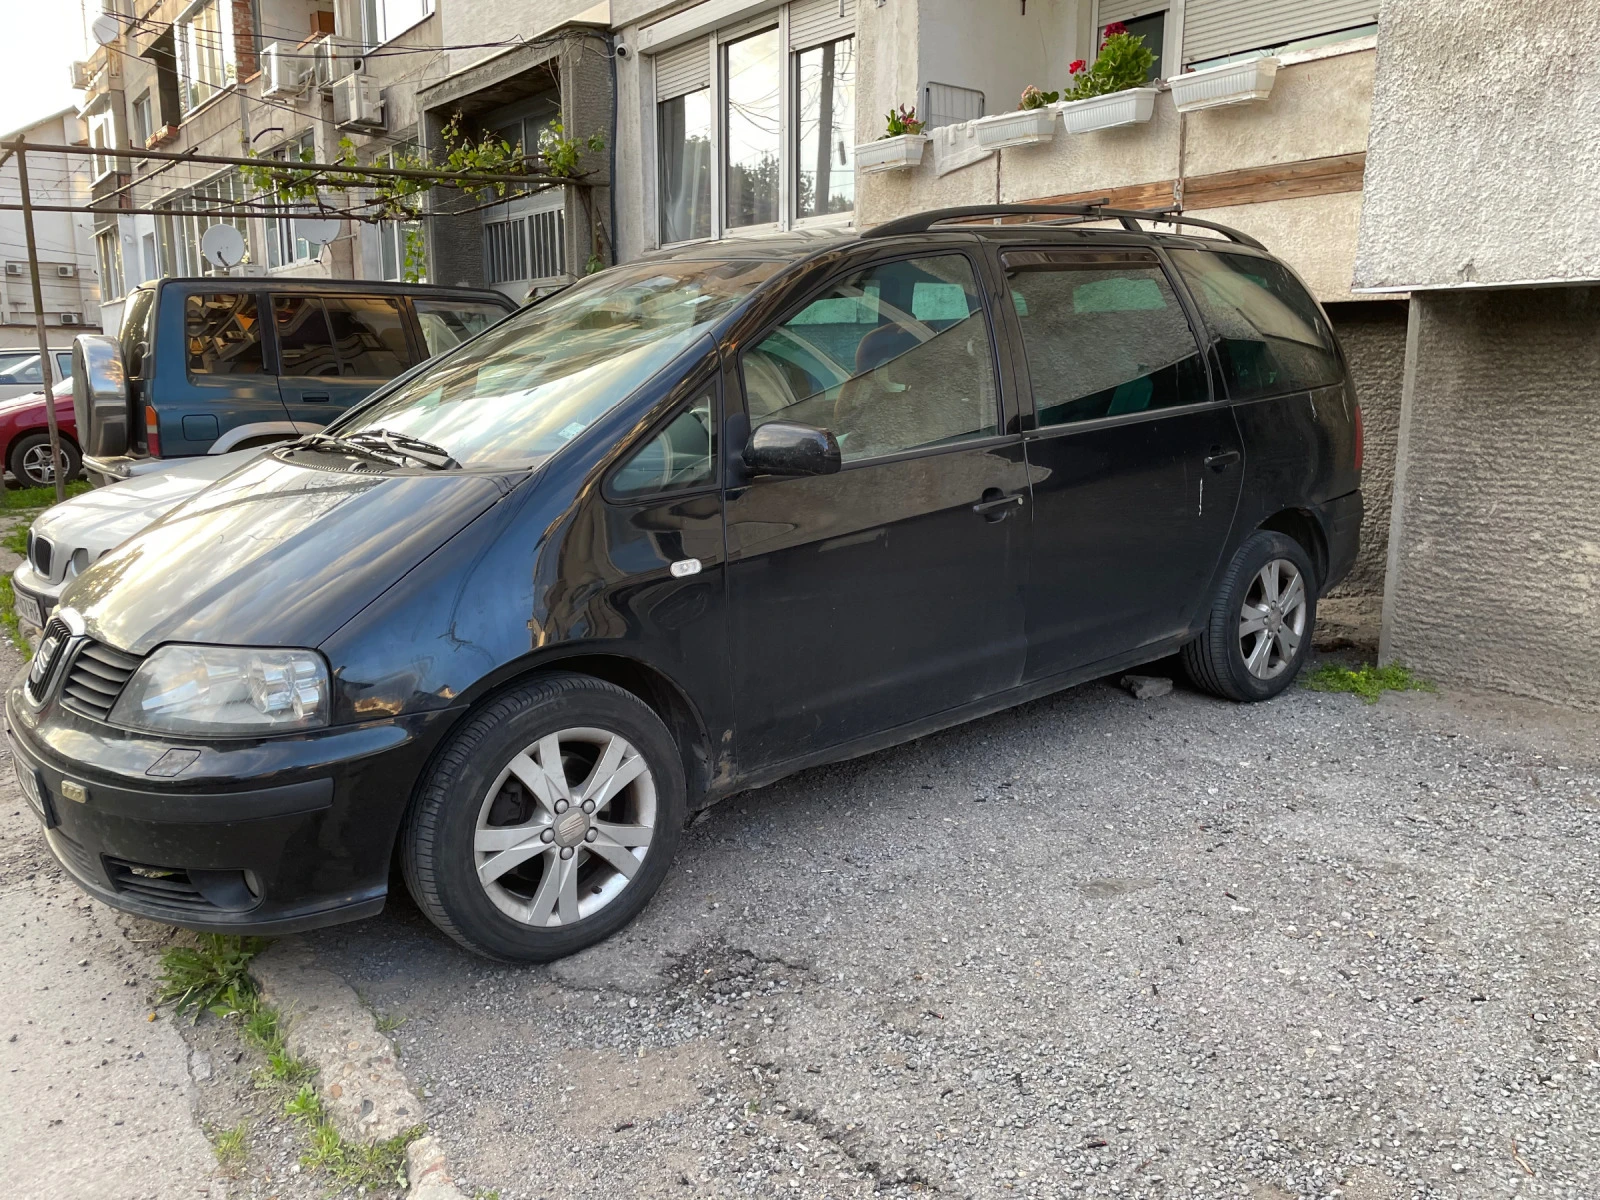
x=272, y=836
x=36, y=595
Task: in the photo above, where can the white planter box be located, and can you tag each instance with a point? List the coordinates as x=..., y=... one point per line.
x=1024, y=127
x=1232, y=83
x=891, y=154
x=1127, y=107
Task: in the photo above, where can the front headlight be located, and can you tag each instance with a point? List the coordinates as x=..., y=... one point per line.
x=226, y=690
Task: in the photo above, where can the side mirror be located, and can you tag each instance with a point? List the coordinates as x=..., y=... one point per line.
x=788, y=448
x=99, y=395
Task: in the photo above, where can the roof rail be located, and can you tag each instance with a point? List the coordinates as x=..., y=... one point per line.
x=1092, y=210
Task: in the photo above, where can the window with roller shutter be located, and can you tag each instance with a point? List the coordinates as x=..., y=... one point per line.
x=1217, y=28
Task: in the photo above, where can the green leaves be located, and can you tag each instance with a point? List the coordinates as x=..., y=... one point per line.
x=212, y=976
x=1366, y=681
x=903, y=122
x=1124, y=63
x=1032, y=97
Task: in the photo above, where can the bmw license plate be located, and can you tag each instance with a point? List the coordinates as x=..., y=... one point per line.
x=29, y=609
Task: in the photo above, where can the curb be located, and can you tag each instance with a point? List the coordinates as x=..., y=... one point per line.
x=365, y=1093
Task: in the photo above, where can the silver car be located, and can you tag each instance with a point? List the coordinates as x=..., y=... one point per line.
x=20, y=373
x=67, y=538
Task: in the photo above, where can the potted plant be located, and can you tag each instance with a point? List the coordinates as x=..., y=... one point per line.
x=1111, y=92
x=899, y=148
x=1231, y=83
x=1034, y=121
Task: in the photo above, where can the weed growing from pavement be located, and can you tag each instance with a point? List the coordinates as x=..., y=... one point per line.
x=389, y=1022
x=371, y=1167
x=1366, y=681
x=16, y=540
x=9, y=618
x=230, y=1147
x=210, y=976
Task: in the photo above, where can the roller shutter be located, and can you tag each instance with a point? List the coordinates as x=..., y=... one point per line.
x=813, y=22
x=1126, y=10
x=1213, y=28
x=683, y=69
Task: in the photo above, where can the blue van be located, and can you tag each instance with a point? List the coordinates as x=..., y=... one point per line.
x=205, y=366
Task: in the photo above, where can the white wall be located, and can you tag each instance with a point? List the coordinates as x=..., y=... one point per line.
x=994, y=47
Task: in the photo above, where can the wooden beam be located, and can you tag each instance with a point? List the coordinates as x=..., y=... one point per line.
x=1226, y=189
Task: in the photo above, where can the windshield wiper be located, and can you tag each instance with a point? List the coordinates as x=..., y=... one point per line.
x=385, y=446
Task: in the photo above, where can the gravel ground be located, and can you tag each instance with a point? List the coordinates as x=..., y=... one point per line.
x=1090, y=947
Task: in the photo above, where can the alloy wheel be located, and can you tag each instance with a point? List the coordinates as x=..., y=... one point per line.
x=565, y=826
x=36, y=465
x=1272, y=620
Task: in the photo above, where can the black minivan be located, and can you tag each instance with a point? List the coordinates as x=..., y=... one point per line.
x=691, y=525
x=205, y=366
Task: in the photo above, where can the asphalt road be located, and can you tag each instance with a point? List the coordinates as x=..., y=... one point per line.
x=1091, y=947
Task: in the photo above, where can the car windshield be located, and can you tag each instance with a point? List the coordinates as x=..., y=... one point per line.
x=532, y=384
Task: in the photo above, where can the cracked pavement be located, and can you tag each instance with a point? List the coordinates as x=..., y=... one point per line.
x=1092, y=946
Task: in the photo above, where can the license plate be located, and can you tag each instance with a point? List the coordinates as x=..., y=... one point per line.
x=28, y=785
x=30, y=610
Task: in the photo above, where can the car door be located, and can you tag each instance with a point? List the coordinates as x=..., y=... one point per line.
x=226, y=391
x=335, y=350
x=1135, y=470
x=890, y=591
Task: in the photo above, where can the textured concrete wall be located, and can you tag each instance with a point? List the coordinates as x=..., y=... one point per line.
x=1374, y=339
x=1483, y=113
x=1494, y=561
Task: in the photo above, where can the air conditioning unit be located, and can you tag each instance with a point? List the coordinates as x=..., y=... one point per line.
x=66, y=272
x=358, y=102
x=280, y=70
x=80, y=75
x=71, y=319
x=13, y=268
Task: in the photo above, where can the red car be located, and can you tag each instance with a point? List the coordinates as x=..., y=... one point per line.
x=26, y=436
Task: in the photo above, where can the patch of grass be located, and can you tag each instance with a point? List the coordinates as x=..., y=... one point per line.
x=230, y=1147
x=389, y=1022
x=371, y=1167
x=16, y=540
x=39, y=497
x=211, y=976
x=1367, y=681
x=9, y=618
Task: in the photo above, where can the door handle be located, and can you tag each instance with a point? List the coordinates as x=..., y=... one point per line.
x=316, y=397
x=994, y=506
x=1220, y=458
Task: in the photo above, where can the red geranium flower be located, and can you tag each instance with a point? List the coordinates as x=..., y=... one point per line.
x=1115, y=28
x=1077, y=65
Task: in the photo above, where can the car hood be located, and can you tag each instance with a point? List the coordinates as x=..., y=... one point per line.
x=105, y=517
x=274, y=555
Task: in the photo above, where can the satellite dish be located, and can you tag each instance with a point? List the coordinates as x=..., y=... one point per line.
x=320, y=230
x=106, y=29
x=222, y=246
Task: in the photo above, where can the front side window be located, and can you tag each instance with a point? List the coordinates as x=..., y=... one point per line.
x=684, y=136
x=305, y=343
x=222, y=335
x=753, y=71
x=896, y=357
x=682, y=455
x=1103, y=334
x=1270, y=335
x=825, y=125
x=539, y=379
x=448, y=323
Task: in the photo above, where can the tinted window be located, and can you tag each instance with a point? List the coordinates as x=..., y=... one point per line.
x=64, y=365
x=1104, y=334
x=369, y=333
x=222, y=334
x=305, y=344
x=1271, y=337
x=447, y=323
x=681, y=455
x=893, y=358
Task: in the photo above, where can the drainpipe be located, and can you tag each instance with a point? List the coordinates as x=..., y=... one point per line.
x=611, y=191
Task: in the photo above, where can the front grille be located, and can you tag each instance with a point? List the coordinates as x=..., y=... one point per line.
x=52, y=645
x=74, y=855
x=170, y=887
x=40, y=552
x=96, y=678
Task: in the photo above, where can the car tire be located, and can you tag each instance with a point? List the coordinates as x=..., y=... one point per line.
x=517, y=864
x=29, y=460
x=1258, y=632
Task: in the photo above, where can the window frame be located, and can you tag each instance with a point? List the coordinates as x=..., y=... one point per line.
x=982, y=280
x=368, y=41
x=1023, y=373
x=705, y=381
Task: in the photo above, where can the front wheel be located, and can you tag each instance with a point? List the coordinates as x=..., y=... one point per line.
x=548, y=820
x=1258, y=631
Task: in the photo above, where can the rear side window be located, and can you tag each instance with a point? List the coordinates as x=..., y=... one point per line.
x=305, y=343
x=896, y=357
x=1103, y=333
x=222, y=334
x=447, y=323
x=1271, y=337
x=369, y=334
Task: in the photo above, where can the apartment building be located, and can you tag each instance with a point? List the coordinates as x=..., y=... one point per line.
x=68, y=275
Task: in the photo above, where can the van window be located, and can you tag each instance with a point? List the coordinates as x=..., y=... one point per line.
x=1270, y=336
x=1103, y=334
x=447, y=323
x=369, y=334
x=895, y=357
x=222, y=334
x=305, y=344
